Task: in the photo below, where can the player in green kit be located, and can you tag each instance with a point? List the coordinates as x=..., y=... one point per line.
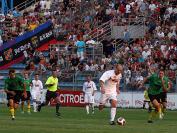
x=28, y=83
x=166, y=86
x=154, y=92
x=13, y=85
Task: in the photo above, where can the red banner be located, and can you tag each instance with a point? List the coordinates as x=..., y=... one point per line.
x=70, y=98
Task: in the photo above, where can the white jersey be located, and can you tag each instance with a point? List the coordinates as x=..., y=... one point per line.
x=37, y=86
x=111, y=80
x=89, y=87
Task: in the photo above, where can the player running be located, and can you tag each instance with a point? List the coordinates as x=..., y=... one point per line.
x=13, y=85
x=109, y=82
x=157, y=83
x=52, y=87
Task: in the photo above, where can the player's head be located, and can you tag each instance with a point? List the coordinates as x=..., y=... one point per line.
x=118, y=69
x=54, y=73
x=161, y=73
x=26, y=75
x=12, y=73
x=36, y=76
x=89, y=78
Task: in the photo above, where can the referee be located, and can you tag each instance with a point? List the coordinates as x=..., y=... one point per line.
x=52, y=87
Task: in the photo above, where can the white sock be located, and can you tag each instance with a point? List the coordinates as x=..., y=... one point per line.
x=35, y=106
x=112, y=114
x=87, y=109
x=93, y=108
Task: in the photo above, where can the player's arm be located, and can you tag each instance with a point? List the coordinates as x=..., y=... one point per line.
x=6, y=89
x=49, y=83
x=141, y=84
x=94, y=89
x=118, y=88
x=41, y=87
x=102, y=87
x=164, y=87
x=84, y=88
x=24, y=89
x=103, y=78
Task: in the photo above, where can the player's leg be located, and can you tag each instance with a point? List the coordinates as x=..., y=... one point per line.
x=144, y=103
x=46, y=102
x=150, y=106
x=92, y=101
x=23, y=99
x=156, y=104
x=55, y=97
x=11, y=108
x=28, y=102
x=34, y=99
x=86, y=100
x=22, y=106
x=113, y=102
x=164, y=101
x=103, y=100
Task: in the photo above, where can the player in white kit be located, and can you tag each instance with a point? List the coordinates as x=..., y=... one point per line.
x=36, y=90
x=89, y=88
x=109, y=85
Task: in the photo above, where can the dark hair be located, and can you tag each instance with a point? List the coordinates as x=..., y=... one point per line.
x=11, y=71
x=36, y=73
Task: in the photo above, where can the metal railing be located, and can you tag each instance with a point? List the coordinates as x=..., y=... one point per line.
x=98, y=34
x=25, y=4
x=91, y=51
x=140, y=22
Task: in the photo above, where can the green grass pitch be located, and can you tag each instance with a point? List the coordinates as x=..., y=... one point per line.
x=75, y=120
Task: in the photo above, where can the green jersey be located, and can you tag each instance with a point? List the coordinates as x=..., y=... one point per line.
x=155, y=84
x=13, y=84
x=27, y=83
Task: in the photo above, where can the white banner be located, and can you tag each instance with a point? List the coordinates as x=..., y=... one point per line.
x=135, y=100
x=125, y=99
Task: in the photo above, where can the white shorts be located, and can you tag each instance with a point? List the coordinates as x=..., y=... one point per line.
x=88, y=98
x=36, y=96
x=107, y=97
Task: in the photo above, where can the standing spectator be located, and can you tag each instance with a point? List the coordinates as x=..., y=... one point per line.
x=126, y=36
x=89, y=89
x=80, y=48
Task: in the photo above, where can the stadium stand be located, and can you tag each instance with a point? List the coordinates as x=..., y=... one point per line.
x=93, y=21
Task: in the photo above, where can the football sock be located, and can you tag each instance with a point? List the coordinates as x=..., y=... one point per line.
x=57, y=107
x=12, y=112
x=112, y=114
x=35, y=106
x=28, y=108
x=160, y=113
x=93, y=108
x=87, y=109
x=144, y=105
x=163, y=110
x=22, y=107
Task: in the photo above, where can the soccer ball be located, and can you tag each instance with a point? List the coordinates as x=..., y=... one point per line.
x=121, y=121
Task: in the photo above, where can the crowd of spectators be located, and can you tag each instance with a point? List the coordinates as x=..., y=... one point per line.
x=74, y=19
